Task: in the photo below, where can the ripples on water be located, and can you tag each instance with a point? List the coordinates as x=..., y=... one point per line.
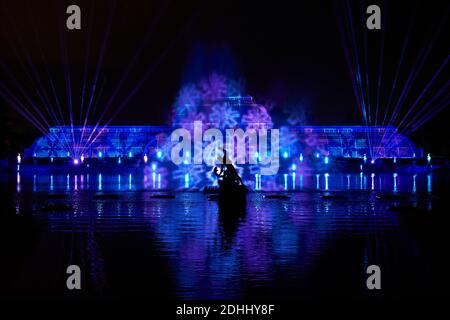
x=305, y=246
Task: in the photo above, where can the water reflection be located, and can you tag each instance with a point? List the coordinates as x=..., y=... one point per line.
x=209, y=253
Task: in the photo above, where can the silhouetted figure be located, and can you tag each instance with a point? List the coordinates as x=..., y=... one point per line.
x=228, y=173
x=232, y=191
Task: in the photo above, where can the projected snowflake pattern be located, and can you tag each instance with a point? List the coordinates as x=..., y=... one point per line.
x=288, y=139
x=224, y=116
x=214, y=87
x=257, y=117
x=196, y=175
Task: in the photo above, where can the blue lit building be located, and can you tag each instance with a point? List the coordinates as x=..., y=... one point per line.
x=137, y=141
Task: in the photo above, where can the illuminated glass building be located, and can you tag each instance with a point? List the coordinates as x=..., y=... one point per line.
x=295, y=141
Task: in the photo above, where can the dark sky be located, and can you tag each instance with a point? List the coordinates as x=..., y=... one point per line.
x=288, y=52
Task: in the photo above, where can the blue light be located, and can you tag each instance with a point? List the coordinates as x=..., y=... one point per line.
x=395, y=160
x=119, y=160
x=301, y=157
x=317, y=155
x=285, y=181
x=429, y=158
x=285, y=155
x=82, y=158
x=100, y=154
x=75, y=161
x=294, y=167
x=326, y=180
x=130, y=154
x=129, y=181
x=326, y=160
x=186, y=180
x=159, y=180
x=19, y=158
x=145, y=158
x=395, y=175
x=159, y=154
x=365, y=158
x=154, y=166
x=372, y=176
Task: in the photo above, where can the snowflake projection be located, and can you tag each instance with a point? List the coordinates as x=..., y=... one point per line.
x=156, y=179
x=124, y=144
x=257, y=117
x=189, y=176
x=187, y=122
x=214, y=87
x=223, y=116
x=211, y=178
x=51, y=147
x=288, y=139
x=187, y=102
x=164, y=148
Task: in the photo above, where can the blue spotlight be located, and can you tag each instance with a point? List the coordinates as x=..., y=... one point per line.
x=294, y=167
x=364, y=158
x=130, y=154
x=395, y=160
x=429, y=158
x=154, y=166
x=159, y=154
x=100, y=154
x=119, y=160
x=301, y=157
x=317, y=155
x=326, y=160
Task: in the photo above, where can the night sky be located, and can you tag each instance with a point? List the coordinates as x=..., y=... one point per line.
x=287, y=53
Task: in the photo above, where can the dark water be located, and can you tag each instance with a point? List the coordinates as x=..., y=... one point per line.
x=130, y=245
